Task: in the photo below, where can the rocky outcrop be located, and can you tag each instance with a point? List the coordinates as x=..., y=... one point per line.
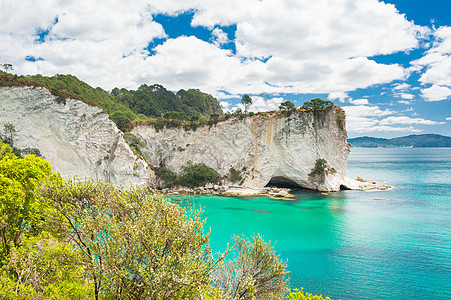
x=300, y=149
x=273, y=148
x=77, y=139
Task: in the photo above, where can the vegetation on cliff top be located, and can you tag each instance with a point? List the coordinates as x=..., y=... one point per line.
x=122, y=105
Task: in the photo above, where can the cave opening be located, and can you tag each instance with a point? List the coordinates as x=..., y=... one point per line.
x=283, y=182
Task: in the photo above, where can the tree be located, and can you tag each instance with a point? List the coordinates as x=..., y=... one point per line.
x=134, y=245
x=287, y=106
x=122, y=119
x=9, y=131
x=21, y=211
x=246, y=101
x=256, y=272
x=317, y=104
x=7, y=67
x=44, y=268
x=197, y=175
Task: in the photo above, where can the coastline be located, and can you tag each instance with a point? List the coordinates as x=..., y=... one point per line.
x=278, y=193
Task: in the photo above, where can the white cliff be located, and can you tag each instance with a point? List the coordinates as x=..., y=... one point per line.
x=277, y=147
x=77, y=139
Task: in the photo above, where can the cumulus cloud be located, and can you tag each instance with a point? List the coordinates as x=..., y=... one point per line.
x=261, y=104
x=448, y=119
x=402, y=87
x=407, y=120
x=403, y=102
x=436, y=93
x=341, y=96
x=280, y=47
x=219, y=37
x=359, y=101
x=406, y=96
x=367, y=119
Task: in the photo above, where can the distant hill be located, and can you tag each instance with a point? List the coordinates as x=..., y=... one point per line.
x=417, y=141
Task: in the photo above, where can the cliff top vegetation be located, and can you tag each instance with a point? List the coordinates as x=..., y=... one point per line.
x=122, y=105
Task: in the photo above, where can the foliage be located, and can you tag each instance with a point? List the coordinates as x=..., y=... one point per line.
x=234, y=175
x=6, y=150
x=340, y=122
x=6, y=67
x=9, y=131
x=319, y=168
x=135, y=246
x=317, y=104
x=44, y=268
x=287, y=106
x=167, y=175
x=246, y=101
x=176, y=115
x=156, y=101
x=256, y=272
x=197, y=175
x=21, y=212
x=297, y=294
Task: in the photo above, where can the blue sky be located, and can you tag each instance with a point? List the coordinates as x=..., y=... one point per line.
x=387, y=63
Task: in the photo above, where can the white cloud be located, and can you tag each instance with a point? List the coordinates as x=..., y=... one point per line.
x=366, y=119
x=403, y=102
x=402, y=87
x=407, y=120
x=437, y=60
x=448, y=119
x=341, y=96
x=359, y=101
x=219, y=37
x=104, y=43
x=261, y=104
x=436, y=93
x=406, y=96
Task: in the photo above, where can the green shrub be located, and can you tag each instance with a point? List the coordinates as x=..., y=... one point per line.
x=256, y=271
x=297, y=294
x=234, y=175
x=340, y=122
x=197, y=175
x=167, y=175
x=320, y=167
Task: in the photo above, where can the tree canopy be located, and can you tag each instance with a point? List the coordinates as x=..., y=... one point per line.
x=287, y=106
x=317, y=104
x=246, y=100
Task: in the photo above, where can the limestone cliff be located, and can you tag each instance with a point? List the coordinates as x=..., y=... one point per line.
x=77, y=139
x=276, y=147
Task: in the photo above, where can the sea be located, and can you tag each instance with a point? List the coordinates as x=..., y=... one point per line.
x=393, y=244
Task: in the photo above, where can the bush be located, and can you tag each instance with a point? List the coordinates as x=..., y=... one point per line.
x=234, y=175
x=256, y=272
x=297, y=294
x=320, y=167
x=197, y=175
x=340, y=122
x=134, y=246
x=167, y=175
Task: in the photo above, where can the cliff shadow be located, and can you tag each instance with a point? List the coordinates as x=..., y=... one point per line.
x=283, y=182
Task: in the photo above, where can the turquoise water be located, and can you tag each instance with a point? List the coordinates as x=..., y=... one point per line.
x=392, y=244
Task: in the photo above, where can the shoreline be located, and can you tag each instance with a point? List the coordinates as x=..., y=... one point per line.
x=277, y=193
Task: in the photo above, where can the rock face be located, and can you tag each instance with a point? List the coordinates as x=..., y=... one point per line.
x=279, y=148
x=77, y=139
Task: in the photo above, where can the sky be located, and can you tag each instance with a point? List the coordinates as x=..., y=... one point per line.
x=387, y=63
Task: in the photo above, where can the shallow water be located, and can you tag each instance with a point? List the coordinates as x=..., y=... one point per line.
x=355, y=244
